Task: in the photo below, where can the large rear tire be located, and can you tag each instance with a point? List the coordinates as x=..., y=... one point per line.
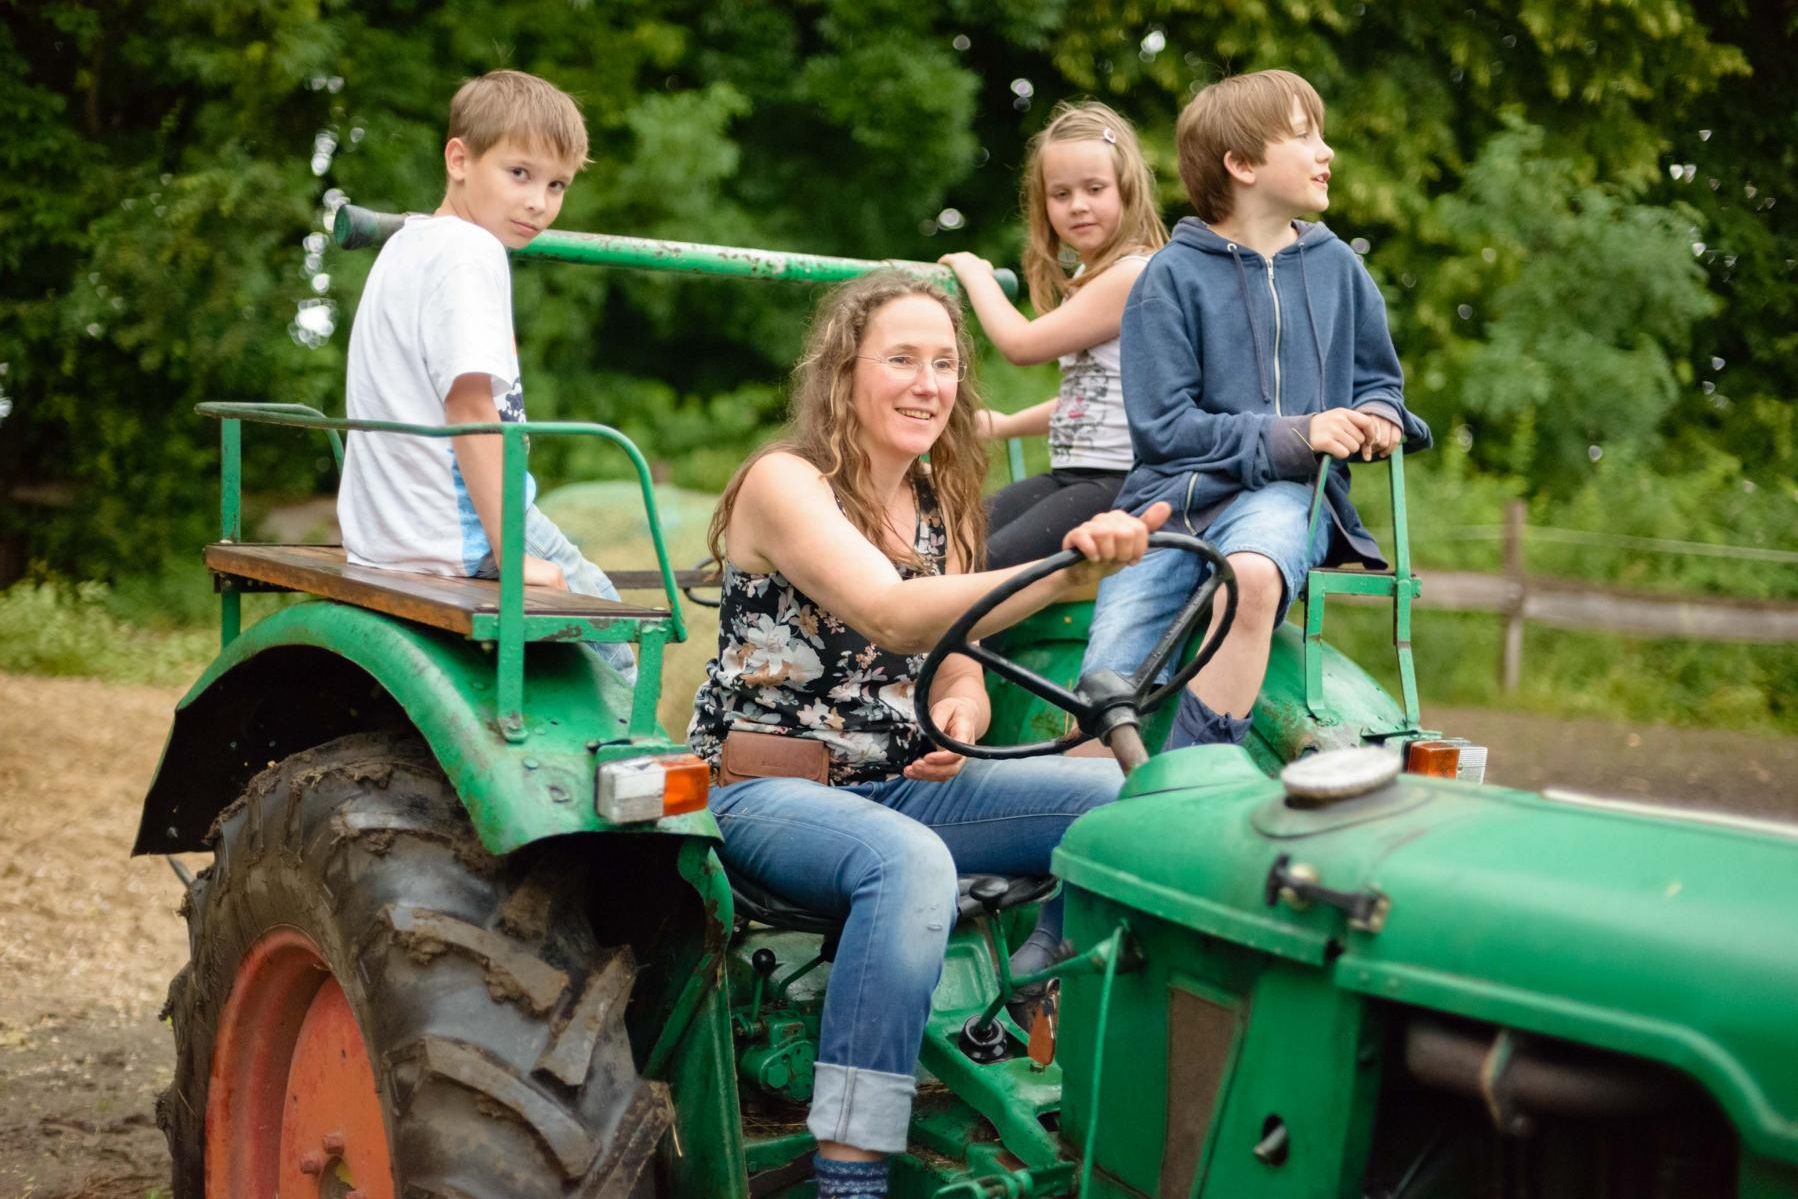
x=376, y=1004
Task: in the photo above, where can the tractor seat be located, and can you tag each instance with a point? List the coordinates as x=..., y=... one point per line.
x=996, y=893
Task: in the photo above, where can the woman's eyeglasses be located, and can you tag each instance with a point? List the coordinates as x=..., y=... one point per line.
x=908, y=367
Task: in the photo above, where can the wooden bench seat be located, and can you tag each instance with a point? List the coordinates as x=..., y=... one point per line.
x=437, y=600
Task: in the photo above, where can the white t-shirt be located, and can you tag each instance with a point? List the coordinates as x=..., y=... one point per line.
x=1088, y=429
x=438, y=304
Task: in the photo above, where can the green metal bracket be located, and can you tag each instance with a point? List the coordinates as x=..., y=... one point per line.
x=700, y=867
x=1014, y=458
x=1399, y=584
x=355, y=228
x=511, y=629
x=231, y=507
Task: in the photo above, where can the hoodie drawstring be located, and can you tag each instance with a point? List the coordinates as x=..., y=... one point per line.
x=1248, y=306
x=1317, y=343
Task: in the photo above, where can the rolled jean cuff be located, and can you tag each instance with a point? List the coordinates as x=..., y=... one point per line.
x=867, y=1109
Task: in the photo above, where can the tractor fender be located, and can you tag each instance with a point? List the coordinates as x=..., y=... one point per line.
x=320, y=670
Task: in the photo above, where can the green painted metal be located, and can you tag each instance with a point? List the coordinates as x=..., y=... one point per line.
x=356, y=228
x=1014, y=1094
x=515, y=793
x=299, y=416
x=511, y=588
x=698, y=864
x=1399, y=585
x=705, y=1155
x=1285, y=726
x=510, y=628
x=1654, y=934
x=1014, y=459
x=692, y=1049
x=765, y=1153
x=230, y=524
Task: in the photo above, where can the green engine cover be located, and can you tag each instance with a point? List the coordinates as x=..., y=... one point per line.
x=1653, y=933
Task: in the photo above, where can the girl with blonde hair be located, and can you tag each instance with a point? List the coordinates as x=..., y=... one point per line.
x=1089, y=196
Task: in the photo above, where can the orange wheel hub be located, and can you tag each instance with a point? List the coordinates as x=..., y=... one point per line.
x=292, y=1110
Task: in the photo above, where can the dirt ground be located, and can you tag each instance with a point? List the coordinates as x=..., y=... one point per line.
x=89, y=936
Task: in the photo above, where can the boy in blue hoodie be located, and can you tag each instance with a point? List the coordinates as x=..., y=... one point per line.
x=1253, y=344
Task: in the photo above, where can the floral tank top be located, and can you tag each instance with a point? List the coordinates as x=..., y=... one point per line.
x=785, y=665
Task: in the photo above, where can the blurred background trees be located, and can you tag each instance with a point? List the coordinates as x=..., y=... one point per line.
x=1584, y=217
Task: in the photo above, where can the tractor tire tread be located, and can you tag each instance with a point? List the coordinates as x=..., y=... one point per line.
x=493, y=1019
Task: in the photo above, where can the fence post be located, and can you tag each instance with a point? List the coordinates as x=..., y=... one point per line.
x=1511, y=667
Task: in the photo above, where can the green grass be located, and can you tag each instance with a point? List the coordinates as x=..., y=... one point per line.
x=69, y=629
x=1696, y=683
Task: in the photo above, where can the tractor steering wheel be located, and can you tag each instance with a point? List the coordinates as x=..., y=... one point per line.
x=1104, y=704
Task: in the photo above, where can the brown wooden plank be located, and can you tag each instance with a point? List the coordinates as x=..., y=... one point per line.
x=651, y=580
x=437, y=600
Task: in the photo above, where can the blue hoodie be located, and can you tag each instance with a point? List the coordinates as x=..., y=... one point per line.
x=1225, y=357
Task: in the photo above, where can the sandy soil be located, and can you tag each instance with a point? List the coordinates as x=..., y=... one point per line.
x=88, y=941
x=89, y=936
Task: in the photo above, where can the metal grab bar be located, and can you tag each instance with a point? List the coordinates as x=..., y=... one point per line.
x=510, y=680
x=356, y=228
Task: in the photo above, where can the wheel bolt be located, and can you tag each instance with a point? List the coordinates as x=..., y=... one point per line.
x=334, y=1143
x=312, y=1163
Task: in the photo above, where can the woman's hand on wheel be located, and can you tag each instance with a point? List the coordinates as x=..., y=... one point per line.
x=957, y=717
x=1111, y=541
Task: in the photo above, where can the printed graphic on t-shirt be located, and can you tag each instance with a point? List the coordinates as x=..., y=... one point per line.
x=1074, y=425
x=511, y=405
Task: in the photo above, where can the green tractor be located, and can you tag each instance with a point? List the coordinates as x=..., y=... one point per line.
x=465, y=934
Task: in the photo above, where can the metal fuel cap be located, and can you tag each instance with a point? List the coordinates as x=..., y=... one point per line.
x=1338, y=774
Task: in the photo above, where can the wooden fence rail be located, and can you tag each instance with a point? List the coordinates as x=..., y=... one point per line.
x=1577, y=604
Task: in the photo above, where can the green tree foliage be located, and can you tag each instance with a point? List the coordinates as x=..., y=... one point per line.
x=1564, y=315
x=1577, y=212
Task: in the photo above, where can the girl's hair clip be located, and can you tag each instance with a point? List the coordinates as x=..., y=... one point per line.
x=1109, y=135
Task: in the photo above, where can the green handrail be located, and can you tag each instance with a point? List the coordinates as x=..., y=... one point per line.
x=355, y=228
x=1401, y=586
x=511, y=576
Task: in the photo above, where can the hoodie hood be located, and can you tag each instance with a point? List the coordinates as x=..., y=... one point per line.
x=1195, y=234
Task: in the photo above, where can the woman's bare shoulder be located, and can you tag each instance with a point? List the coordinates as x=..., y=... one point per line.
x=780, y=473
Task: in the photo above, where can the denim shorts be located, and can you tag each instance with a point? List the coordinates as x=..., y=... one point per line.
x=1136, y=604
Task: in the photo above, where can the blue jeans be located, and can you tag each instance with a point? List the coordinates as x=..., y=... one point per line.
x=885, y=856
x=1136, y=604
x=542, y=539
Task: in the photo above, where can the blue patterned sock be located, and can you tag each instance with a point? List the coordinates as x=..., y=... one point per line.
x=1196, y=724
x=850, y=1180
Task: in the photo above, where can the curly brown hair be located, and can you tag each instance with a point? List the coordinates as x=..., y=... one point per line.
x=822, y=427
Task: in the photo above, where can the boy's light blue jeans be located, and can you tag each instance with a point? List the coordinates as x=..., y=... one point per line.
x=1136, y=604
x=542, y=539
x=885, y=855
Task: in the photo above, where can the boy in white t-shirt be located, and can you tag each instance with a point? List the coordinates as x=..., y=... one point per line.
x=432, y=344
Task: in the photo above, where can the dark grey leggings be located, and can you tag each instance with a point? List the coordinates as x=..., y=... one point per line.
x=1028, y=519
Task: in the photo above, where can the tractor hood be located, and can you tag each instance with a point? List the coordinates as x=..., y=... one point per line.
x=1661, y=933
